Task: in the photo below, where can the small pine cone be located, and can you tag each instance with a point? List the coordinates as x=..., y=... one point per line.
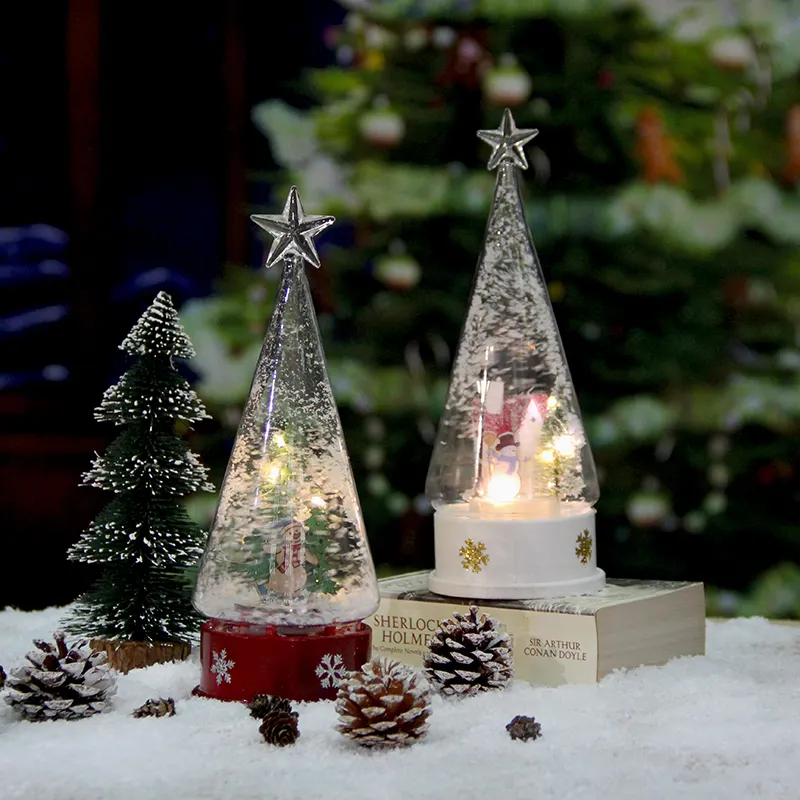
x=61, y=682
x=524, y=728
x=385, y=704
x=468, y=654
x=279, y=728
x=263, y=704
x=163, y=707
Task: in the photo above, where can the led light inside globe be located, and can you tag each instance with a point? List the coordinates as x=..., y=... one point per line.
x=503, y=487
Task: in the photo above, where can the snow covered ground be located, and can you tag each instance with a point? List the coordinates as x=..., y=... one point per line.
x=722, y=726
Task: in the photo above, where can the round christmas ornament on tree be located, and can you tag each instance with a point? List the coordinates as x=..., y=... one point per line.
x=732, y=52
x=397, y=269
x=648, y=507
x=287, y=577
x=385, y=704
x=507, y=84
x=468, y=61
x=140, y=610
x=61, y=682
x=382, y=126
x=468, y=654
x=512, y=477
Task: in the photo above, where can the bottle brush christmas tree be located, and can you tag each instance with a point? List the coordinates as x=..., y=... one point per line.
x=144, y=538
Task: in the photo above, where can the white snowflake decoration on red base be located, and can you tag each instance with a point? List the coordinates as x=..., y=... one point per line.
x=222, y=666
x=330, y=671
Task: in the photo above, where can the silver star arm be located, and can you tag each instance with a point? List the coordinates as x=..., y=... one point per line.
x=507, y=142
x=293, y=231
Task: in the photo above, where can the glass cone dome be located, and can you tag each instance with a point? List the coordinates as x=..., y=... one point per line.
x=287, y=546
x=511, y=441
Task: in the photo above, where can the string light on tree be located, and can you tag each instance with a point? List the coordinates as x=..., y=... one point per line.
x=511, y=466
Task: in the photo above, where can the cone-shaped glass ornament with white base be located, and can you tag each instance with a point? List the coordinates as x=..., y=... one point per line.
x=287, y=577
x=512, y=477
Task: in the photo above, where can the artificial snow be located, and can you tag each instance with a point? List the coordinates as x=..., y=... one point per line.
x=726, y=725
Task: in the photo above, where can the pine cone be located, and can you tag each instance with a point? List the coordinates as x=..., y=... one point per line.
x=163, y=707
x=263, y=704
x=524, y=728
x=279, y=728
x=469, y=654
x=61, y=682
x=385, y=704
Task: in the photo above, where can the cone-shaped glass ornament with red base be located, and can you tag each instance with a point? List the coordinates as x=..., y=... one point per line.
x=512, y=477
x=287, y=577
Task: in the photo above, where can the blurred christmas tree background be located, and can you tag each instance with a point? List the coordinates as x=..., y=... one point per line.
x=663, y=200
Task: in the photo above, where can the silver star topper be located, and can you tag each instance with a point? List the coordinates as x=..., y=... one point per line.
x=294, y=231
x=507, y=142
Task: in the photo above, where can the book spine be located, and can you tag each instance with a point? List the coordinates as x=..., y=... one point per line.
x=550, y=649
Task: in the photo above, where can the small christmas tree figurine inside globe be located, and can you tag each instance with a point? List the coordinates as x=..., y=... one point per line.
x=287, y=577
x=512, y=477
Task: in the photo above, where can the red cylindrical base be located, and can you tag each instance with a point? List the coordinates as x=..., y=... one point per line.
x=240, y=660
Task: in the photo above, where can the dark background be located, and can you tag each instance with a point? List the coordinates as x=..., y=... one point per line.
x=126, y=126
x=129, y=164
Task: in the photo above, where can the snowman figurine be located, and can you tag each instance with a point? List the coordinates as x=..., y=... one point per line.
x=289, y=577
x=505, y=458
x=504, y=483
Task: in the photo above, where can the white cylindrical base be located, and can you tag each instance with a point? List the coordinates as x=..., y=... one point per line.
x=513, y=558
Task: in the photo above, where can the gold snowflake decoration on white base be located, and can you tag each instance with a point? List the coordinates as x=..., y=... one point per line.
x=473, y=555
x=584, y=546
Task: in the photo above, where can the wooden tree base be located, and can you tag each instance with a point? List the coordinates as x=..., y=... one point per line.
x=125, y=656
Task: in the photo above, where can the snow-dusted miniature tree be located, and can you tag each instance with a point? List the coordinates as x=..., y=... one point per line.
x=144, y=538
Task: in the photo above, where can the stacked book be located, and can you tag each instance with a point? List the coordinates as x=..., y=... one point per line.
x=560, y=640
